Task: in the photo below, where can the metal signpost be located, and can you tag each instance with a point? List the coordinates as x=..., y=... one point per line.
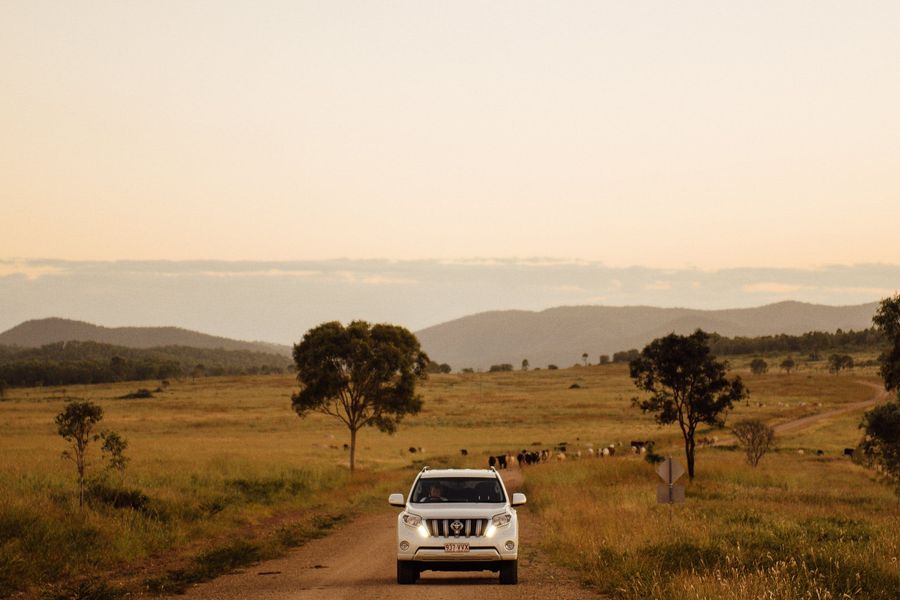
x=669, y=493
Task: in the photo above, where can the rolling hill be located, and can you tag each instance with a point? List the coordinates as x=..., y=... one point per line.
x=36, y=333
x=560, y=335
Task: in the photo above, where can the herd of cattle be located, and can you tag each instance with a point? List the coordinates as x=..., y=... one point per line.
x=559, y=453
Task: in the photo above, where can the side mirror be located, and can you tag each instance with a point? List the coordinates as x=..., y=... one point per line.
x=397, y=500
x=519, y=499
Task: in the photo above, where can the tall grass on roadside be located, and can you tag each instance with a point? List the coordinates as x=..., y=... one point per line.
x=44, y=537
x=742, y=533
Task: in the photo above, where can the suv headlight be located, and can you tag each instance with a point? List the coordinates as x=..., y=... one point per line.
x=411, y=520
x=497, y=521
x=501, y=520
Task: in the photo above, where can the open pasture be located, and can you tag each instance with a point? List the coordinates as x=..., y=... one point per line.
x=220, y=459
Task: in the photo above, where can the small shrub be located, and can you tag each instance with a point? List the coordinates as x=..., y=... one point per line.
x=756, y=437
x=137, y=394
x=101, y=493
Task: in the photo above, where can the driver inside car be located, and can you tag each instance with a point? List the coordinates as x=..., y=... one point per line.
x=436, y=493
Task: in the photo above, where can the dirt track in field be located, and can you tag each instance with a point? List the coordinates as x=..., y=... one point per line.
x=880, y=395
x=359, y=561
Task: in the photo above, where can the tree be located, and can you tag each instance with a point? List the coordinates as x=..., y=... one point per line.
x=445, y=368
x=687, y=385
x=887, y=322
x=362, y=375
x=756, y=437
x=525, y=364
x=501, y=368
x=584, y=357
x=838, y=362
x=604, y=359
x=881, y=443
x=3, y=387
x=788, y=365
x=113, y=449
x=625, y=355
x=552, y=367
x=75, y=424
x=758, y=366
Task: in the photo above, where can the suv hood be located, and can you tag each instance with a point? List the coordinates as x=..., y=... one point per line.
x=443, y=510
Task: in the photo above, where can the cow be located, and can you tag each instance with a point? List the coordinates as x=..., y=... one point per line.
x=501, y=461
x=560, y=456
x=463, y=451
x=849, y=451
x=492, y=461
x=820, y=452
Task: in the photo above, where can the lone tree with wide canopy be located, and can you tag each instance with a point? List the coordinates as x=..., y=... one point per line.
x=687, y=385
x=364, y=376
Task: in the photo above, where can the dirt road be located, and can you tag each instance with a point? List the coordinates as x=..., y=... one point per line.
x=880, y=395
x=358, y=561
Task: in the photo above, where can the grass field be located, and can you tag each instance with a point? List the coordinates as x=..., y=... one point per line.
x=229, y=473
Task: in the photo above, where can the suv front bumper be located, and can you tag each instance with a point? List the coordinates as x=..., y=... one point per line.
x=481, y=548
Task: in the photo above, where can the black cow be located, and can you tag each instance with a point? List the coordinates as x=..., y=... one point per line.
x=849, y=451
x=464, y=452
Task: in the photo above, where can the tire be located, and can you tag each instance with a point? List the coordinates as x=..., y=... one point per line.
x=509, y=572
x=406, y=572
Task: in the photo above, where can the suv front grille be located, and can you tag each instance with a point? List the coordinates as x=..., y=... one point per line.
x=466, y=527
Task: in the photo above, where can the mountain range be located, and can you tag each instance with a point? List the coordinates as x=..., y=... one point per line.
x=556, y=335
x=560, y=335
x=39, y=332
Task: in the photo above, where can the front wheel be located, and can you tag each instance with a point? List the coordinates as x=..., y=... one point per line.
x=509, y=572
x=407, y=573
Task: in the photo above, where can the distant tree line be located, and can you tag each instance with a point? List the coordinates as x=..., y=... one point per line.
x=69, y=363
x=435, y=367
x=811, y=344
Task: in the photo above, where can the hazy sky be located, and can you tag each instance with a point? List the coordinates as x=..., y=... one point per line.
x=279, y=301
x=662, y=134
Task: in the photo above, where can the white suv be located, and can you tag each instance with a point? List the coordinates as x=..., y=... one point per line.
x=457, y=520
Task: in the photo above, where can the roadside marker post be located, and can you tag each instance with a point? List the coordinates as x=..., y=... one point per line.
x=669, y=471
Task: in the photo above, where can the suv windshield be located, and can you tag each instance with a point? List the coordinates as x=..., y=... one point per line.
x=458, y=489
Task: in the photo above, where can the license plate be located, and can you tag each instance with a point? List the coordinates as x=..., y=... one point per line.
x=456, y=547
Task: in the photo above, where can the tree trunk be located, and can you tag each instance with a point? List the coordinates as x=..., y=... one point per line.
x=689, y=454
x=81, y=482
x=352, y=450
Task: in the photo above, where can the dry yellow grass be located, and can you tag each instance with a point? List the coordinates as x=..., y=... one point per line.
x=216, y=456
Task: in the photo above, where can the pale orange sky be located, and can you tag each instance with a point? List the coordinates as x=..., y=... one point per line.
x=655, y=133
